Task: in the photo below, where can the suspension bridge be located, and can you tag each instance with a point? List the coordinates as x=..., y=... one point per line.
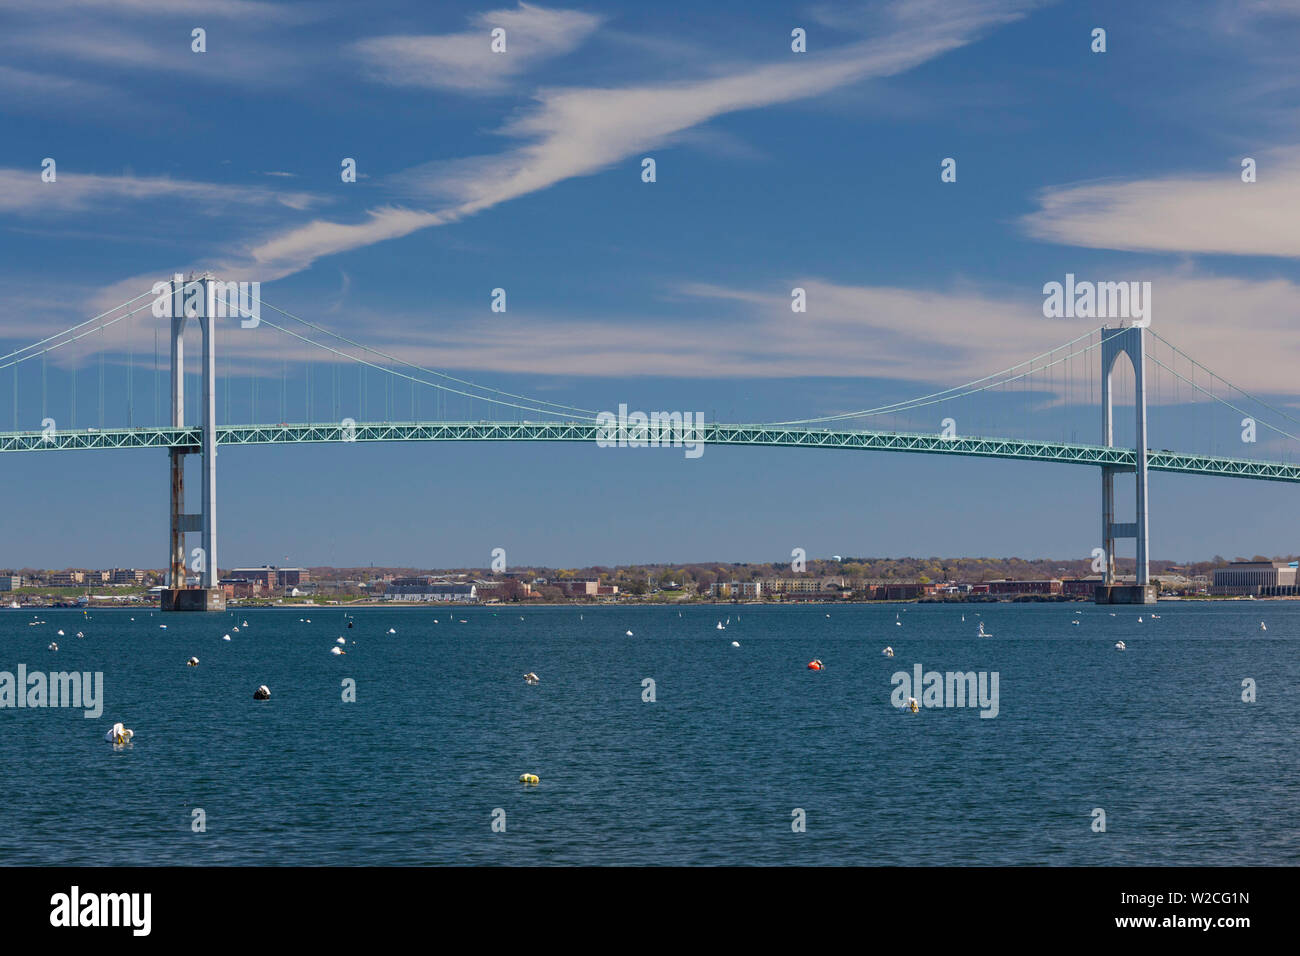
x=1058, y=387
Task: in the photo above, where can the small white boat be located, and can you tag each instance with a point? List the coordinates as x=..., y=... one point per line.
x=888, y=652
x=982, y=632
x=1075, y=623
x=1120, y=646
x=735, y=643
x=721, y=627
x=391, y=631
x=629, y=633
x=531, y=678
x=1263, y=626
x=337, y=650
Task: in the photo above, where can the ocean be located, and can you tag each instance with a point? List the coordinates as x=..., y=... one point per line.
x=743, y=756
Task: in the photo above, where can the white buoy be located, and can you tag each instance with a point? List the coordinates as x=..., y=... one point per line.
x=629, y=633
x=735, y=643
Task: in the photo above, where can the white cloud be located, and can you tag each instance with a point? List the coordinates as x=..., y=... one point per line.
x=1181, y=213
x=23, y=192
x=245, y=10
x=921, y=336
x=465, y=61
x=579, y=131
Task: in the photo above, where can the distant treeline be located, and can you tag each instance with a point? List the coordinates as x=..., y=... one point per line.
x=634, y=578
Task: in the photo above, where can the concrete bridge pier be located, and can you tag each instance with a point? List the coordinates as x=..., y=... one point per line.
x=1129, y=341
x=200, y=295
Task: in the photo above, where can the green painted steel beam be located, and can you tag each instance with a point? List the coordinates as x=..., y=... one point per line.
x=758, y=435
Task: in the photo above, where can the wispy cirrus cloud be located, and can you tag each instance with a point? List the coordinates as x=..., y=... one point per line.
x=282, y=12
x=465, y=61
x=23, y=192
x=1188, y=213
x=578, y=131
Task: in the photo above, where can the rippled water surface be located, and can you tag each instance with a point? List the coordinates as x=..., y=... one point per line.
x=709, y=773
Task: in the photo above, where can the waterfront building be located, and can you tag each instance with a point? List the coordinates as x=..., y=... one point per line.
x=1007, y=587
x=426, y=589
x=1251, y=577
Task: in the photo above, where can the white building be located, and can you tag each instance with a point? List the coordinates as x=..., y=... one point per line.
x=406, y=589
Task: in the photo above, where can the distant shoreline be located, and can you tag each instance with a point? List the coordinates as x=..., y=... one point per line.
x=628, y=604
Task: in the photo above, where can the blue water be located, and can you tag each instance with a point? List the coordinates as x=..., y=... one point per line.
x=708, y=773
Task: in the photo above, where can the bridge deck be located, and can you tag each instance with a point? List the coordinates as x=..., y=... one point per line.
x=716, y=434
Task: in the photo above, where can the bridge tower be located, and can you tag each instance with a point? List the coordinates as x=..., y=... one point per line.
x=1130, y=341
x=194, y=299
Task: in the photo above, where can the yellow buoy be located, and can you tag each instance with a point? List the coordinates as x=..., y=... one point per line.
x=529, y=778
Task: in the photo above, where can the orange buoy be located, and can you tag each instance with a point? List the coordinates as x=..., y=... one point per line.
x=815, y=665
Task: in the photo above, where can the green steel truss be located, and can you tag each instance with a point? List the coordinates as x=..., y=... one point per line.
x=762, y=435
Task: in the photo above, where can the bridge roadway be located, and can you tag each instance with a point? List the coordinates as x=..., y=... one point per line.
x=586, y=431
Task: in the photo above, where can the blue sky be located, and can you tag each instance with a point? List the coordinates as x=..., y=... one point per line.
x=522, y=171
